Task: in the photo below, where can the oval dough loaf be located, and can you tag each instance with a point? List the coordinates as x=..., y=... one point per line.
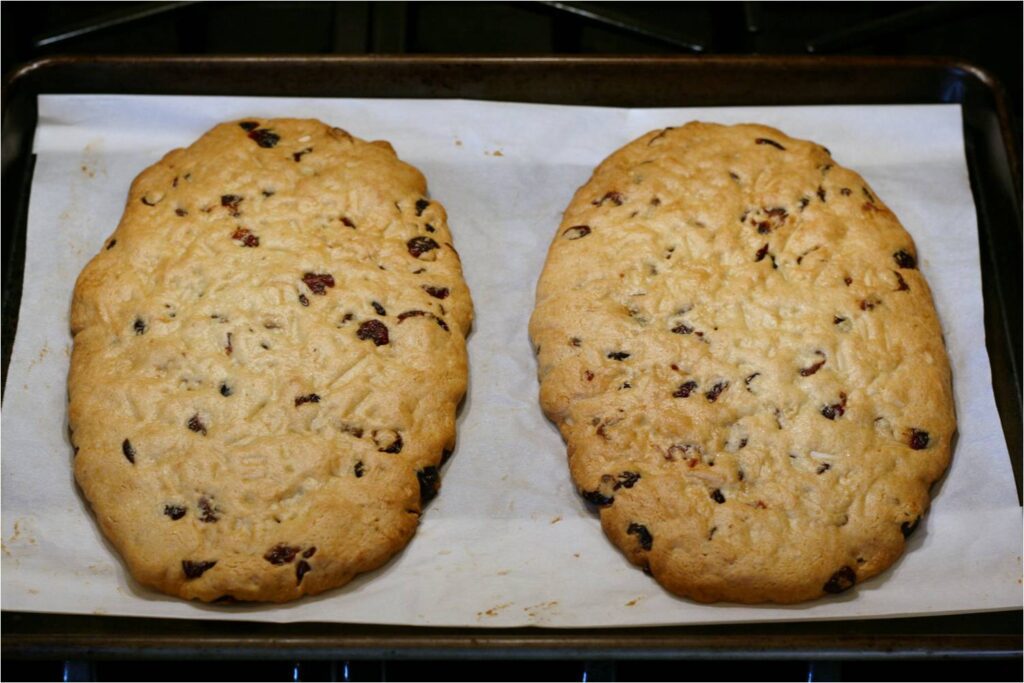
x=744, y=360
x=268, y=355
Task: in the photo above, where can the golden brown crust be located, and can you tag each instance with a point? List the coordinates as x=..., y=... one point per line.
x=244, y=387
x=745, y=363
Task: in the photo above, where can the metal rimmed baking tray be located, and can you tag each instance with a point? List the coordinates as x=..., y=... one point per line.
x=631, y=82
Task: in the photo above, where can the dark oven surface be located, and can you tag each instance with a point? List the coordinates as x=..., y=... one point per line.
x=709, y=81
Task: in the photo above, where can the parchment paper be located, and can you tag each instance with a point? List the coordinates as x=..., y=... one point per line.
x=507, y=542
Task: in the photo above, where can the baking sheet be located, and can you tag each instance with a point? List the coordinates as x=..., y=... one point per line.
x=507, y=542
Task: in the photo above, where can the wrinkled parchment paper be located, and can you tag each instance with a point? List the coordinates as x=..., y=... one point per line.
x=507, y=542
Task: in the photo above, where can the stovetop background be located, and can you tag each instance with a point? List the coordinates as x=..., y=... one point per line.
x=987, y=34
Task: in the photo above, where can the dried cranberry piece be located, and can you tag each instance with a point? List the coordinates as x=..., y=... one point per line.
x=847, y=281
x=836, y=320
x=717, y=496
x=110, y=245
x=354, y=431
x=905, y=259
x=576, y=232
x=597, y=498
x=420, y=245
x=919, y=439
x=902, y=285
x=301, y=569
x=716, y=391
x=642, y=535
x=347, y=222
x=209, y=511
x=804, y=201
x=618, y=355
x=180, y=212
x=430, y=481
x=682, y=328
x=836, y=409
x=823, y=468
x=374, y=330
x=613, y=197
x=231, y=202
x=842, y=580
x=245, y=237
x=436, y=292
x=869, y=304
x=193, y=570
x=175, y=512
x=225, y=390
x=394, y=447
x=281, y=554
x=139, y=326
x=421, y=206
x=297, y=156
x=195, y=423
x=416, y=314
x=766, y=141
x=378, y=308
x=821, y=193
x=359, y=469
x=761, y=253
x=908, y=528
x=303, y=300
x=410, y=314
x=129, y=452
x=309, y=552
x=626, y=480
x=264, y=137
x=248, y=125
x=429, y=228
x=685, y=389
x=810, y=370
x=318, y=282
x=308, y=398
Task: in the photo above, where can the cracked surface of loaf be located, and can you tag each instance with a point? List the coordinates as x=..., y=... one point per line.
x=737, y=345
x=268, y=356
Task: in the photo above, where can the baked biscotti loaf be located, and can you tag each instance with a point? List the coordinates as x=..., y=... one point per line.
x=268, y=355
x=745, y=362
